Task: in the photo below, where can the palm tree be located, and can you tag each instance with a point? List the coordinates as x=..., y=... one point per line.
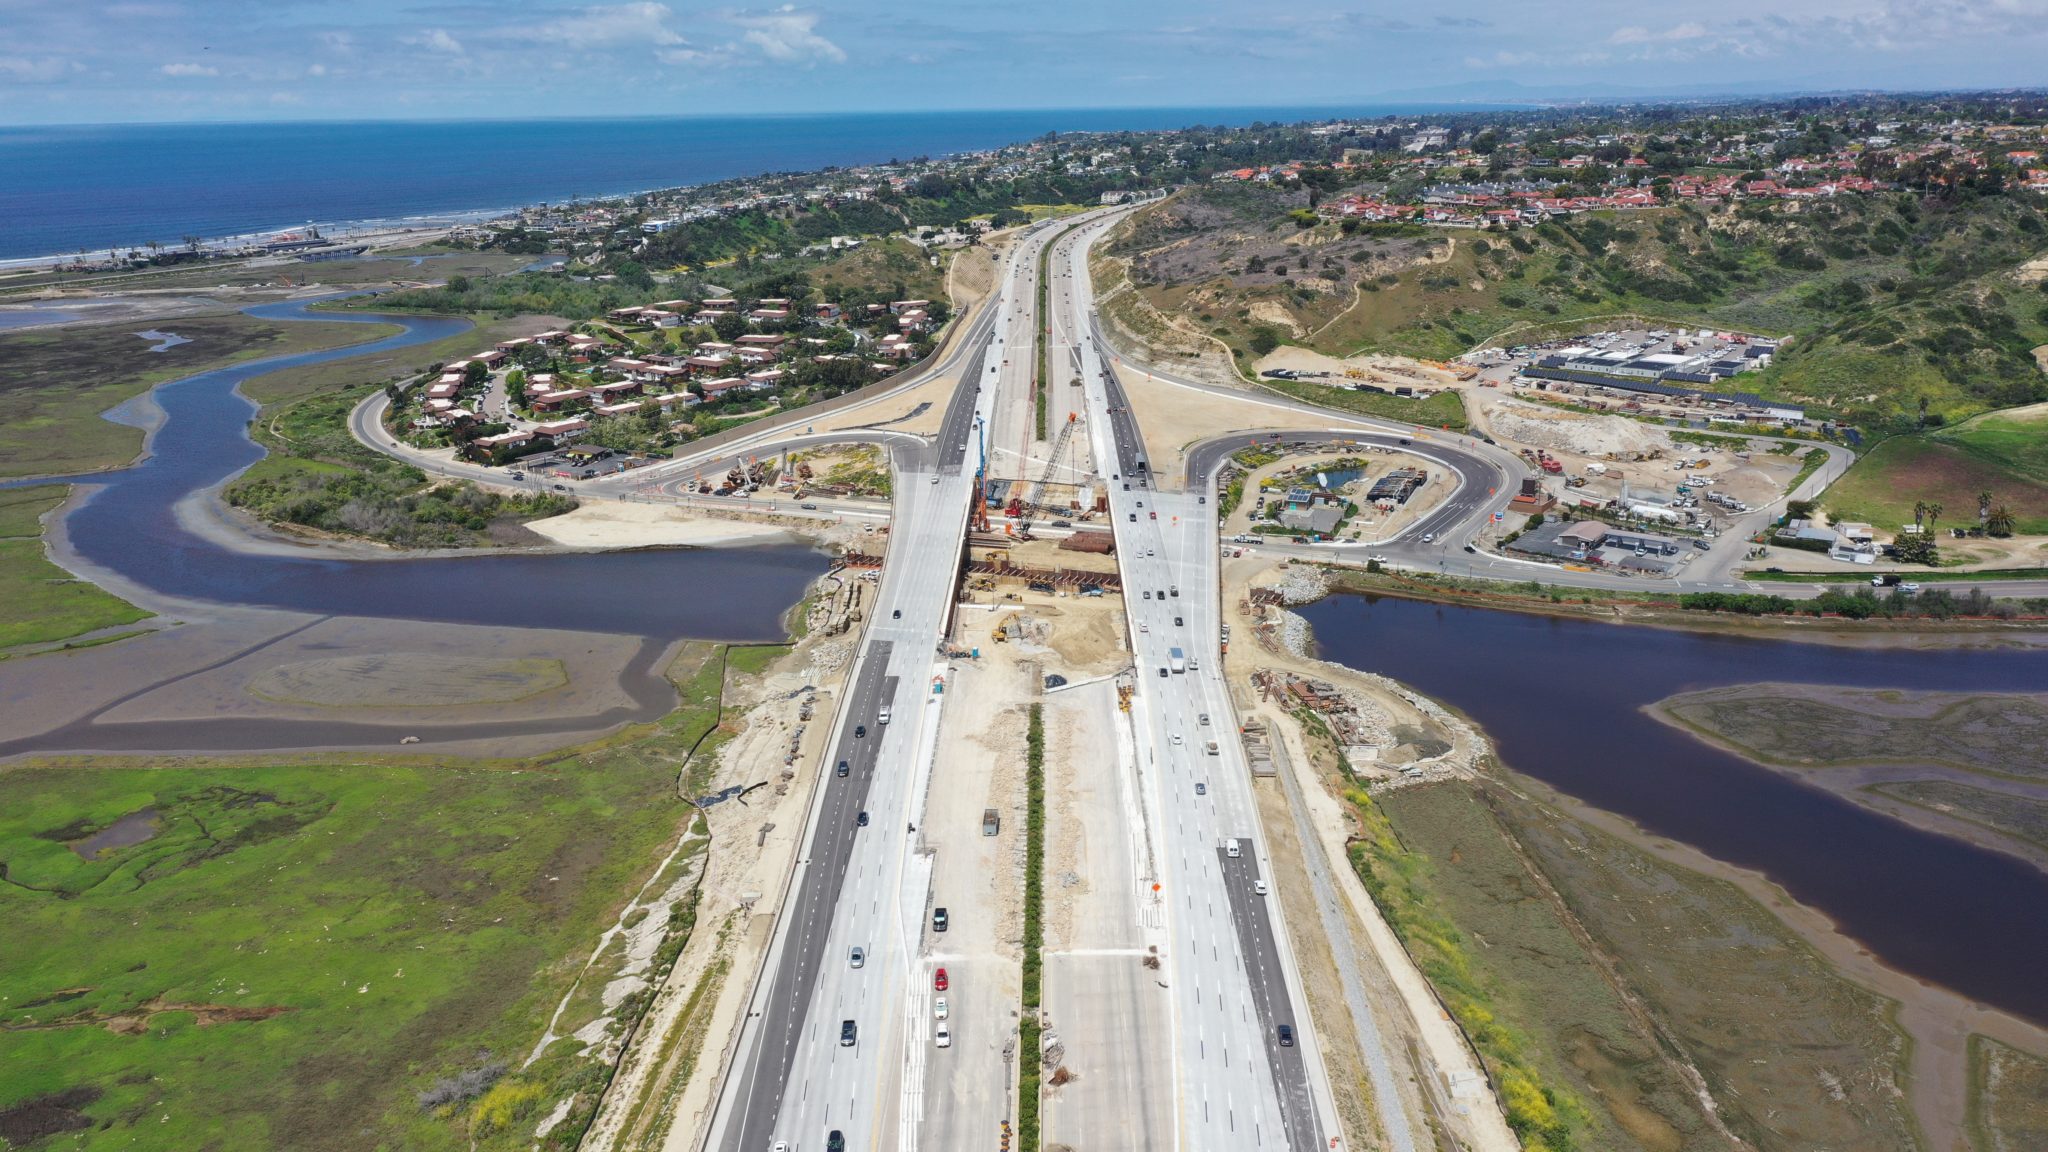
x=1983, y=509
x=1999, y=521
x=1933, y=514
x=1919, y=513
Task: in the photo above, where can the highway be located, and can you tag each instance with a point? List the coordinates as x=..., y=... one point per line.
x=1228, y=960
x=792, y=1077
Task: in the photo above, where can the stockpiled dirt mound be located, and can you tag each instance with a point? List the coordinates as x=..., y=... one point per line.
x=1594, y=436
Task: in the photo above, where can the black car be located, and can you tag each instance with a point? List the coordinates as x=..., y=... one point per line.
x=848, y=1033
x=835, y=1141
x=940, y=920
x=1177, y=623
x=842, y=769
x=1405, y=442
x=896, y=615
x=1163, y=673
x=861, y=820
x=1063, y=523
x=860, y=731
x=1286, y=1035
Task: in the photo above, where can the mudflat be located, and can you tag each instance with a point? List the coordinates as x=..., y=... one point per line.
x=1969, y=765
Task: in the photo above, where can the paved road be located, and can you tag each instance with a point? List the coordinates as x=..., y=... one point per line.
x=792, y=1079
x=1249, y=912
x=1232, y=984
x=780, y=1027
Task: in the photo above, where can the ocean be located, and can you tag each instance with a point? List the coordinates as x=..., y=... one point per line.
x=65, y=190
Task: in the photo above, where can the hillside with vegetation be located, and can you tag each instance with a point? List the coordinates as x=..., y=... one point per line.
x=1900, y=306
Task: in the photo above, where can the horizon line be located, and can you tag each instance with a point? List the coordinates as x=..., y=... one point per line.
x=1538, y=99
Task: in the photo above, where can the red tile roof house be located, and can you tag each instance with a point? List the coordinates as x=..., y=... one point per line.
x=825, y=313
x=706, y=365
x=766, y=377
x=913, y=320
x=624, y=409
x=713, y=389
x=709, y=315
x=503, y=440
x=899, y=307
x=675, y=305
x=723, y=304
x=619, y=390
x=769, y=314
x=763, y=339
x=632, y=313
x=488, y=359
x=751, y=355
x=444, y=391
x=559, y=429
x=553, y=401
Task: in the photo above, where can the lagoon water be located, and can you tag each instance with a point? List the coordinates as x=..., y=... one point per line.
x=130, y=526
x=82, y=188
x=1562, y=701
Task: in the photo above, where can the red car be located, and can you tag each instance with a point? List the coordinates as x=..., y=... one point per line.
x=939, y=980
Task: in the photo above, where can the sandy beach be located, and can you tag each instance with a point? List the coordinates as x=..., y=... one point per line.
x=610, y=524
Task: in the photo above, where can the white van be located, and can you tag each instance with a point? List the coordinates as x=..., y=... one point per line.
x=1231, y=849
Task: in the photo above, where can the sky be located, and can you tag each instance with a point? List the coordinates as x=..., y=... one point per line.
x=103, y=61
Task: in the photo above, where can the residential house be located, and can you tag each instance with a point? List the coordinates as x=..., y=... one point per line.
x=559, y=430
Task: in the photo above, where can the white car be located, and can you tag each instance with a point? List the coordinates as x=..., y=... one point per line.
x=939, y=1009
x=1176, y=739
x=1259, y=886
x=943, y=1037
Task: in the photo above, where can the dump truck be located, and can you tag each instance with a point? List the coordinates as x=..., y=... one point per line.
x=991, y=822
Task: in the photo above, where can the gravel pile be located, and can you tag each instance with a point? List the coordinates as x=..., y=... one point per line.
x=1595, y=436
x=1303, y=584
x=829, y=656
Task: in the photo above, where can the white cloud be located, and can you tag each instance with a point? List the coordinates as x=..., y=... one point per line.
x=1502, y=59
x=190, y=70
x=1674, y=34
x=435, y=40
x=604, y=26
x=22, y=68
x=787, y=35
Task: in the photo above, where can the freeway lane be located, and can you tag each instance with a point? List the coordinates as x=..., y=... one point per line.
x=834, y=822
x=1233, y=1094
x=1255, y=936
x=791, y=1078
